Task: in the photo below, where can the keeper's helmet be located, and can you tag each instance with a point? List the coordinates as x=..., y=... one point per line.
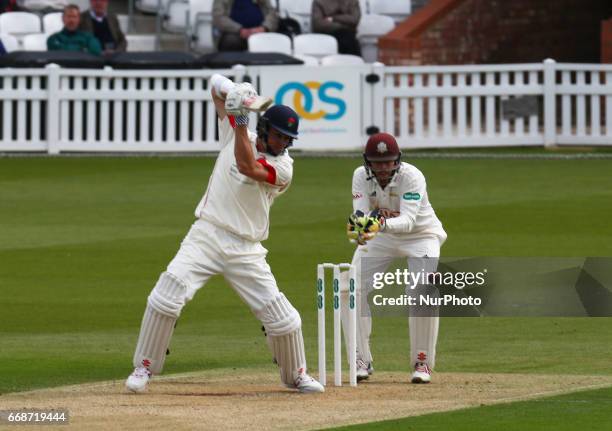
x=381, y=147
x=282, y=118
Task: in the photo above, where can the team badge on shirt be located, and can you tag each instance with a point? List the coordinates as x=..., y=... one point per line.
x=411, y=196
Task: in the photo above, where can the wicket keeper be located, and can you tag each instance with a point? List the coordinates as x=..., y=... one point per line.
x=393, y=218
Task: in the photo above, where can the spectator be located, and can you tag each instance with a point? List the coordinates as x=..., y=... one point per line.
x=235, y=20
x=338, y=18
x=7, y=5
x=104, y=26
x=70, y=38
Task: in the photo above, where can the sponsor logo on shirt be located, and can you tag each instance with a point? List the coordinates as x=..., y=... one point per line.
x=357, y=195
x=411, y=196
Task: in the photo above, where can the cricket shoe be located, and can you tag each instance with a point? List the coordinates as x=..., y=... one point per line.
x=138, y=380
x=422, y=373
x=306, y=384
x=363, y=372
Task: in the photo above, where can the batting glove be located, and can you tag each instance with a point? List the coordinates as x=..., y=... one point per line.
x=234, y=101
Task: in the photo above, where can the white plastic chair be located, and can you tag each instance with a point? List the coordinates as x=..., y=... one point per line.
x=10, y=42
x=19, y=23
x=151, y=6
x=370, y=28
x=175, y=16
x=308, y=60
x=35, y=42
x=342, y=60
x=123, y=22
x=301, y=10
x=38, y=5
x=201, y=28
x=365, y=6
x=270, y=42
x=140, y=42
x=52, y=22
x=396, y=9
x=315, y=44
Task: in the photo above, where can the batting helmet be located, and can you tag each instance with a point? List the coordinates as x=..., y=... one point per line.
x=282, y=118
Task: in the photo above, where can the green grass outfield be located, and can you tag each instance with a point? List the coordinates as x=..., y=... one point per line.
x=83, y=240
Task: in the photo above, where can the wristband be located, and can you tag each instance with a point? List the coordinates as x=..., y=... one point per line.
x=242, y=120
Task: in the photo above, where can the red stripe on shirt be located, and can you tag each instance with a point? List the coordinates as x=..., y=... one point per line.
x=232, y=121
x=271, y=171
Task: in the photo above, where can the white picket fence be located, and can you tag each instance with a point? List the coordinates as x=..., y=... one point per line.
x=461, y=106
x=58, y=110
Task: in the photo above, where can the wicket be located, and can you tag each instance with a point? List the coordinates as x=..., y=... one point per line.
x=351, y=339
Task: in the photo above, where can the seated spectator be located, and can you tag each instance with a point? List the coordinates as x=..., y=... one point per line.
x=7, y=5
x=235, y=20
x=104, y=26
x=338, y=18
x=70, y=38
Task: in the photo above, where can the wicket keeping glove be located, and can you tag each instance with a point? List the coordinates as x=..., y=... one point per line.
x=362, y=228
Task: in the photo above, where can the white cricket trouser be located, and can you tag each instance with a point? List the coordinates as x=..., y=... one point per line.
x=380, y=252
x=208, y=250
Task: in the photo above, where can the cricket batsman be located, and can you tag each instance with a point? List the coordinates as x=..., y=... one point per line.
x=251, y=170
x=393, y=218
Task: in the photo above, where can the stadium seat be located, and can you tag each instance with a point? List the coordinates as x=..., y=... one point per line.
x=370, y=28
x=365, y=7
x=124, y=22
x=175, y=16
x=301, y=10
x=201, y=28
x=342, y=60
x=396, y=9
x=315, y=44
x=39, y=5
x=35, y=42
x=151, y=6
x=52, y=22
x=270, y=42
x=140, y=42
x=308, y=59
x=10, y=42
x=19, y=23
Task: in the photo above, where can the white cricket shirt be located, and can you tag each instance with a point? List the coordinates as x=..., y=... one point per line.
x=407, y=194
x=236, y=202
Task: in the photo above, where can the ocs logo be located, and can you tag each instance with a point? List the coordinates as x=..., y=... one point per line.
x=304, y=96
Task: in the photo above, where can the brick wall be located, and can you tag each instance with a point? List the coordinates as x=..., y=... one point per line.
x=498, y=31
x=606, y=41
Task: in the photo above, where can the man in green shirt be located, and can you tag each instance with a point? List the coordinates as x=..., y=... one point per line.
x=70, y=38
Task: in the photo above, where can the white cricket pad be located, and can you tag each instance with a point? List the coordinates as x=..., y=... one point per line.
x=283, y=328
x=363, y=324
x=163, y=308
